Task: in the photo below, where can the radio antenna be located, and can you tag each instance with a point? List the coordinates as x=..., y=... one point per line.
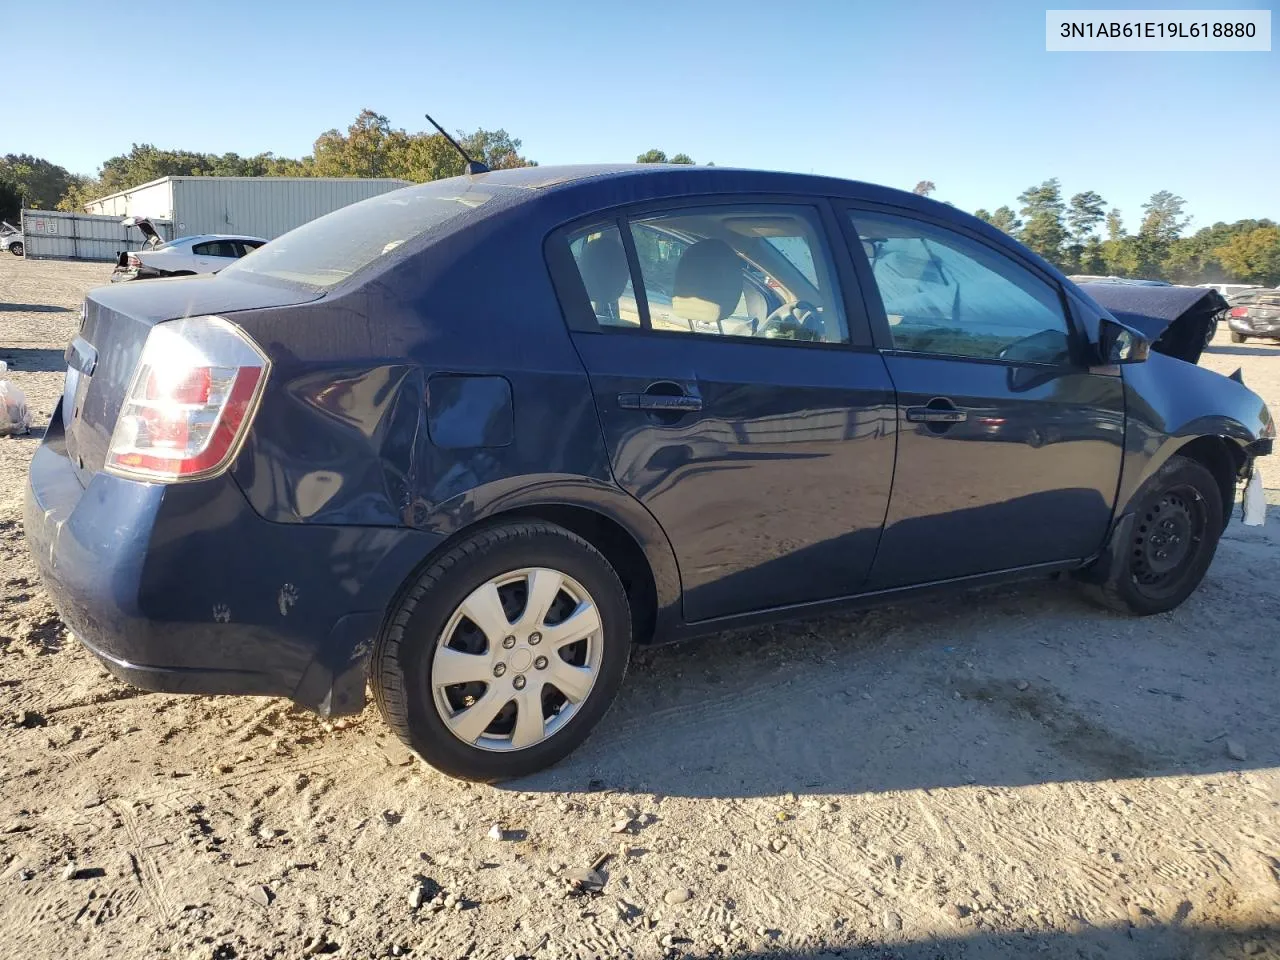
x=473, y=166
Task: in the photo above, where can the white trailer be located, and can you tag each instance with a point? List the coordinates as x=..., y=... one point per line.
x=57, y=235
x=250, y=206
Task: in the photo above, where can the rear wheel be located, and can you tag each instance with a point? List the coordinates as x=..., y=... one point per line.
x=1238, y=337
x=1164, y=553
x=16, y=248
x=505, y=653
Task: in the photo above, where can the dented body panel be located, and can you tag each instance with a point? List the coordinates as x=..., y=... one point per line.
x=1166, y=404
x=441, y=387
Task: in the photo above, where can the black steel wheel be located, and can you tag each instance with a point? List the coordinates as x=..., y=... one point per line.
x=1167, y=537
x=1160, y=552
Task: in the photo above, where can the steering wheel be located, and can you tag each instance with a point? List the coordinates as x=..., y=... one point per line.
x=793, y=321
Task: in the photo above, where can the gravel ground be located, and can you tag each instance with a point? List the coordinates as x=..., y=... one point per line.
x=1008, y=773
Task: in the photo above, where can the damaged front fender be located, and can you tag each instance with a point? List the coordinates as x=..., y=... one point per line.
x=1170, y=404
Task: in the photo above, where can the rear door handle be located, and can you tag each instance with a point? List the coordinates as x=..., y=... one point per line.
x=659, y=403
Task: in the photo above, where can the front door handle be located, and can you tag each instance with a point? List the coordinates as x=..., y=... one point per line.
x=937, y=410
x=659, y=403
x=925, y=415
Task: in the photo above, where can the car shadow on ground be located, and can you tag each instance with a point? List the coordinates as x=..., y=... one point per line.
x=34, y=360
x=1009, y=686
x=32, y=308
x=1145, y=941
x=1241, y=351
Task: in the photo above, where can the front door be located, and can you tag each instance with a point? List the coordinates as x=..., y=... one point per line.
x=734, y=405
x=1009, y=446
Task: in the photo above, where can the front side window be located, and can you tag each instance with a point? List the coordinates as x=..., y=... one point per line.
x=759, y=271
x=946, y=294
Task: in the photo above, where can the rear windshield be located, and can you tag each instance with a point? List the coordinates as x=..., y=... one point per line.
x=326, y=251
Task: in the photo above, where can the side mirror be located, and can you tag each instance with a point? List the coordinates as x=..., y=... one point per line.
x=1120, y=344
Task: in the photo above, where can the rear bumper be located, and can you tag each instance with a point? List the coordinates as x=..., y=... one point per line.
x=184, y=589
x=1258, y=328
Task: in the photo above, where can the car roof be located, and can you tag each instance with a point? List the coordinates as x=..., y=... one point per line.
x=213, y=236
x=566, y=193
x=533, y=200
x=709, y=179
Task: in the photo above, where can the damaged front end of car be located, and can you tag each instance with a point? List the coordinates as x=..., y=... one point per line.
x=1179, y=321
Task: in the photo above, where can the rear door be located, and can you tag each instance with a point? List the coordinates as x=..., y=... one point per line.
x=1009, y=443
x=741, y=400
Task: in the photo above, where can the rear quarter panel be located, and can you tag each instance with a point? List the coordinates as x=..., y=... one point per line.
x=344, y=436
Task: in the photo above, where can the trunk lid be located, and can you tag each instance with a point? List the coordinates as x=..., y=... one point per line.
x=115, y=321
x=146, y=228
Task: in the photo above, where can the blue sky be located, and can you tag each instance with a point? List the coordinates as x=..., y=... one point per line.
x=961, y=94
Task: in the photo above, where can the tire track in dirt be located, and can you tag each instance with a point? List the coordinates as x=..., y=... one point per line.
x=146, y=871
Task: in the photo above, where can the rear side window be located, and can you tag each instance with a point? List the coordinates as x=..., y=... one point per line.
x=946, y=294
x=602, y=262
x=759, y=271
x=215, y=248
x=324, y=252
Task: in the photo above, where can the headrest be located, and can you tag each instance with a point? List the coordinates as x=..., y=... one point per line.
x=708, y=282
x=603, y=265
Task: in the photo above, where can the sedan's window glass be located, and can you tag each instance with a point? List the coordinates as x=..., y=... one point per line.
x=602, y=262
x=946, y=294
x=215, y=248
x=326, y=251
x=722, y=271
x=797, y=251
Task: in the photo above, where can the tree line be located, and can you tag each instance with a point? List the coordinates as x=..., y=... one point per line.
x=370, y=147
x=1079, y=235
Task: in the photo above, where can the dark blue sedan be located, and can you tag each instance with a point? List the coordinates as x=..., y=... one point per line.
x=471, y=440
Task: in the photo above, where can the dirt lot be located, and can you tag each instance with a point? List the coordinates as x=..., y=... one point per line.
x=1008, y=774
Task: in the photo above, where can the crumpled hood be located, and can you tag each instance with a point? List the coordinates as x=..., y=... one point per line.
x=1175, y=319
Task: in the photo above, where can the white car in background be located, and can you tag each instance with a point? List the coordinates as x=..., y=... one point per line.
x=181, y=257
x=1233, y=290
x=10, y=238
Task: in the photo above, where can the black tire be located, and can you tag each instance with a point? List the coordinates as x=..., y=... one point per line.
x=16, y=249
x=1238, y=337
x=403, y=656
x=1157, y=561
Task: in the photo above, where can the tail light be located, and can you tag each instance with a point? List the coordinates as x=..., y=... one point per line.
x=133, y=260
x=192, y=398
x=1239, y=312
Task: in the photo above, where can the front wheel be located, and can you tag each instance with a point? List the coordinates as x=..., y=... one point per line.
x=505, y=653
x=1238, y=337
x=16, y=248
x=1159, y=558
